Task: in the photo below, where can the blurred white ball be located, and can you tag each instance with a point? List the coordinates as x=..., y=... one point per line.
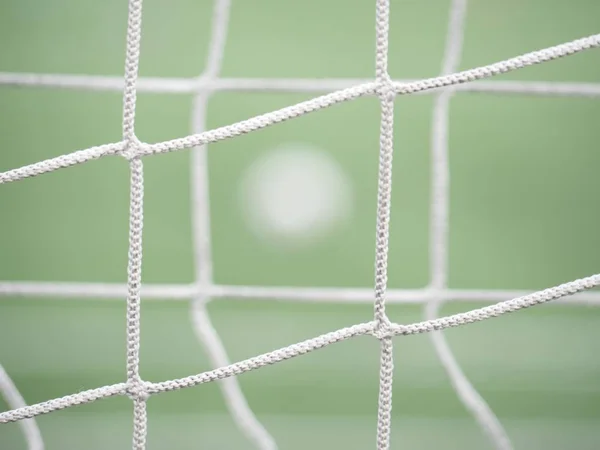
x=295, y=194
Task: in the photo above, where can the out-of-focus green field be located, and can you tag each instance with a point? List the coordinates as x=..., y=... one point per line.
x=524, y=215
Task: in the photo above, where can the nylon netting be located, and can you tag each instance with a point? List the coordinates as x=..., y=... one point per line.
x=203, y=290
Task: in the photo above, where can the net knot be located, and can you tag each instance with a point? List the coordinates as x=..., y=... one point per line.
x=385, y=88
x=383, y=329
x=131, y=149
x=137, y=390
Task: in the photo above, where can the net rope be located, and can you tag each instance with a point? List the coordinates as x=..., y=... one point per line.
x=439, y=230
x=204, y=290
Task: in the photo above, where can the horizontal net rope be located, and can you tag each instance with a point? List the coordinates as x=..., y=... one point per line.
x=204, y=290
x=176, y=292
x=455, y=320
x=284, y=85
x=268, y=119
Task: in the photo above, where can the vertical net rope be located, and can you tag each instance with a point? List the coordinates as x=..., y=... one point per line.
x=135, y=386
x=204, y=290
x=439, y=230
x=386, y=94
x=235, y=401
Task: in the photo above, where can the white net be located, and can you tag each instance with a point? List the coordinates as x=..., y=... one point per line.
x=204, y=289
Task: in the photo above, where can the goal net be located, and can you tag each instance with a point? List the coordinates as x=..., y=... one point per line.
x=449, y=83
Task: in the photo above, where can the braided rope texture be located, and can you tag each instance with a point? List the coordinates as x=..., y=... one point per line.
x=380, y=327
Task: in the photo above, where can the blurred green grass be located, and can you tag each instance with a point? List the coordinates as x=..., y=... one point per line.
x=523, y=216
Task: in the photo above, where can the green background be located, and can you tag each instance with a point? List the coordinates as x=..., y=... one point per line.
x=524, y=215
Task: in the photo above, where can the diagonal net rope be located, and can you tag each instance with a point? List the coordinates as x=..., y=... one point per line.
x=346, y=94
x=309, y=345
x=15, y=400
x=203, y=289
